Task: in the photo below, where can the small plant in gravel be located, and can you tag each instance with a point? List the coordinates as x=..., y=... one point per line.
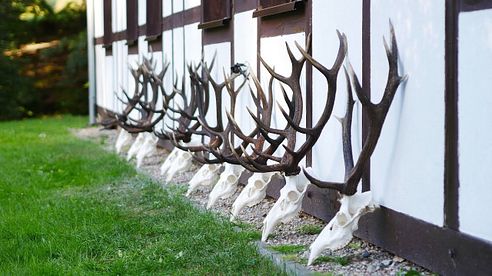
x=288, y=248
x=355, y=245
x=341, y=260
x=310, y=229
x=410, y=272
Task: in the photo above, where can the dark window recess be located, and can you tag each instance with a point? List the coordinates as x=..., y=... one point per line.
x=154, y=18
x=273, y=7
x=215, y=13
x=131, y=21
x=108, y=28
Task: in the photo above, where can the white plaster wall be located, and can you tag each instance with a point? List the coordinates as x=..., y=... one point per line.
x=143, y=47
x=100, y=75
x=178, y=5
x=245, y=52
x=142, y=12
x=475, y=123
x=188, y=4
x=222, y=62
x=98, y=19
x=132, y=62
x=108, y=85
x=167, y=49
x=345, y=16
x=120, y=17
x=274, y=52
x=167, y=7
x=192, y=43
x=178, y=54
x=407, y=167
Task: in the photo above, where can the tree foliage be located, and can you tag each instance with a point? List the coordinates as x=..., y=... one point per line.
x=49, y=80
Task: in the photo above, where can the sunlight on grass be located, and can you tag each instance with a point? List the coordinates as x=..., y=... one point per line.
x=67, y=207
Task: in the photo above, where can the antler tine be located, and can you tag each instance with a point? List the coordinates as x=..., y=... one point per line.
x=346, y=122
x=264, y=127
x=377, y=115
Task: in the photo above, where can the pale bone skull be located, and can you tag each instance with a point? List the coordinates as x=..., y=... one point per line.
x=169, y=160
x=338, y=232
x=227, y=184
x=147, y=147
x=135, y=146
x=207, y=175
x=124, y=139
x=253, y=193
x=182, y=163
x=287, y=205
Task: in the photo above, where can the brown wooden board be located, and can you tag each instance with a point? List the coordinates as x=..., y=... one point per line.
x=154, y=17
x=131, y=20
x=439, y=249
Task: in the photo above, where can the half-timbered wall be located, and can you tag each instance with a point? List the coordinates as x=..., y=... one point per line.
x=475, y=125
x=429, y=170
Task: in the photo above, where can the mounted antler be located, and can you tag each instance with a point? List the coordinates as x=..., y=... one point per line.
x=289, y=162
x=140, y=100
x=376, y=114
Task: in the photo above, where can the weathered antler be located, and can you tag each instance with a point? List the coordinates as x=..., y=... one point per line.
x=289, y=162
x=150, y=116
x=376, y=116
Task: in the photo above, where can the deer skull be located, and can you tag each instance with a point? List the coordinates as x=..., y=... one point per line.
x=253, y=193
x=227, y=184
x=338, y=232
x=207, y=175
x=147, y=147
x=135, y=146
x=287, y=205
x=124, y=139
x=169, y=160
x=181, y=163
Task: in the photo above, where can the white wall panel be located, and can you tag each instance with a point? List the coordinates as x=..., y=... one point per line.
x=167, y=7
x=98, y=19
x=274, y=52
x=475, y=122
x=100, y=81
x=345, y=16
x=108, y=96
x=142, y=12
x=222, y=62
x=407, y=167
x=188, y=4
x=119, y=18
x=133, y=63
x=167, y=50
x=177, y=6
x=245, y=52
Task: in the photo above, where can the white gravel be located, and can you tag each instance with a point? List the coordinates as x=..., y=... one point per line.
x=362, y=258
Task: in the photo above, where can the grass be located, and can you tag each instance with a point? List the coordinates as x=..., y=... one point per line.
x=66, y=207
x=309, y=229
x=343, y=261
x=288, y=248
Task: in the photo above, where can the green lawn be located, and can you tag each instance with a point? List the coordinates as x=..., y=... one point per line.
x=67, y=207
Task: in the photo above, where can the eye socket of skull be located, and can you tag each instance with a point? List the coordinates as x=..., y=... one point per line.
x=259, y=184
x=342, y=219
x=292, y=196
x=231, y=178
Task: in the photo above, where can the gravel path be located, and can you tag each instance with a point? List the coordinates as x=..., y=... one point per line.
x=358, y=258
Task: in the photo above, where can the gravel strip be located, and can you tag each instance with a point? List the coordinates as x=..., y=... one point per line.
x=358, y=258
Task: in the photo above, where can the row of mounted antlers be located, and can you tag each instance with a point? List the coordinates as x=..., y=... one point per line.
x=188, y=126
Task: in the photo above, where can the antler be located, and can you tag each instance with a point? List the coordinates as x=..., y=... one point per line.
x=376, y=115
x=289, y=162
x=141, y=102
